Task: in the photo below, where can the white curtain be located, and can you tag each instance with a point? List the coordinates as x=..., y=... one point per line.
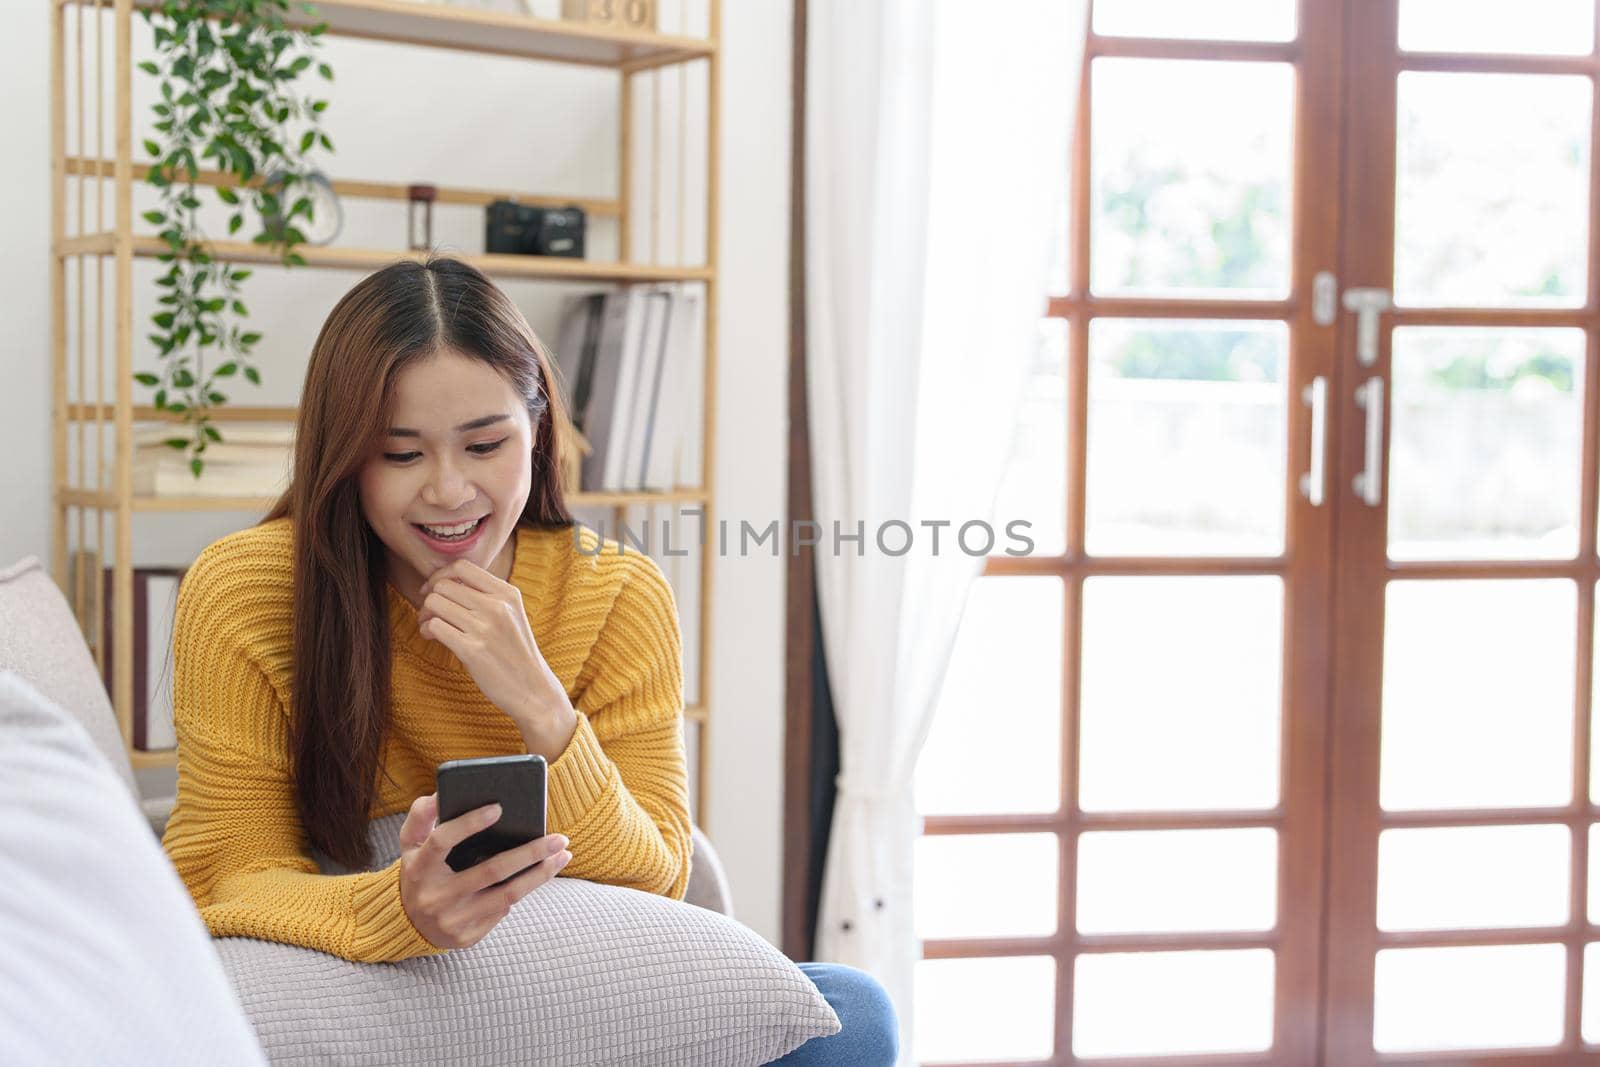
x=937, y=144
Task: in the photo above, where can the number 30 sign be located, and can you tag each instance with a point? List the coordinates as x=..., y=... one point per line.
x=636, y=15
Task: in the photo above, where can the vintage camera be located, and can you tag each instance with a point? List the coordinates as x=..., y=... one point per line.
x=525, y=230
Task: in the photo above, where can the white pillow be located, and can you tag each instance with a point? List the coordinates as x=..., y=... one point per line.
x=577, y=973
x=105, y=959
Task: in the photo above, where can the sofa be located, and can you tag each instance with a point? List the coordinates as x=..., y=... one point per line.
x=110, y=961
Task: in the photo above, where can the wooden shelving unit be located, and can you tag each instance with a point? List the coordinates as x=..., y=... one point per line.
x=84, y=498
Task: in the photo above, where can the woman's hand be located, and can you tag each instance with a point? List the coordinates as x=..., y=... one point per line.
x=481, y=619
x=455, y=909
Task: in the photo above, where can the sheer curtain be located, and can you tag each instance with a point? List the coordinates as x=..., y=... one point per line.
x=937, y=145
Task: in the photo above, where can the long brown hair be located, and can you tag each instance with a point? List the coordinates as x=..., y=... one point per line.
x=400, y=315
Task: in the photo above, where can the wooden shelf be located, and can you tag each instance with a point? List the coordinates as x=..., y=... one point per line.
x=498, y=33
x=549, y=268
x=366, y=189
x=106, y=500
x=406, y=22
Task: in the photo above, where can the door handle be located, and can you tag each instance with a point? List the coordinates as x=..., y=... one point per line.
x=1314, y=481
x=1368, y=304
x=1369, y=482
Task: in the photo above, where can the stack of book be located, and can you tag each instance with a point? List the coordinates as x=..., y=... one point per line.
x=253, y=459
x=155, y=605
x=632, y=362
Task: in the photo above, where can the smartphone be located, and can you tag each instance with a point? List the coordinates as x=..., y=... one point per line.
x=516, y=783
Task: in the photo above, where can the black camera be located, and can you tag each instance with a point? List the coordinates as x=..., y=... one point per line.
x=524, y=230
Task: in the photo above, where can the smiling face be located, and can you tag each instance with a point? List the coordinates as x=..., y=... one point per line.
x=444, y=465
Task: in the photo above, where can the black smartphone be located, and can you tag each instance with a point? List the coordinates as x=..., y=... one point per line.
x=516, y=783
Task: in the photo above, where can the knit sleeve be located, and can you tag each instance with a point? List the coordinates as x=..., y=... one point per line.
x=235, y=835
x=619, y=791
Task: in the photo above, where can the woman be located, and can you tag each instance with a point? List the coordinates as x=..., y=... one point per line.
x=382, y=619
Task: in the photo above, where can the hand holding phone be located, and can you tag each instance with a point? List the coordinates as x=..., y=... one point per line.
x=454, y=907
x=516, y=783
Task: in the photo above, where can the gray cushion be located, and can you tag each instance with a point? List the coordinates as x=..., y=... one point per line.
x=41, y=640
x=105, y=959
x=708, y=882
x=577, y=973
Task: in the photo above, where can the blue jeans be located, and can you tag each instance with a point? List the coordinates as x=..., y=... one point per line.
x=870, y=1031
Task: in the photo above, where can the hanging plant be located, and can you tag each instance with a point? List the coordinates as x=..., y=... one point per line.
x=227, y=71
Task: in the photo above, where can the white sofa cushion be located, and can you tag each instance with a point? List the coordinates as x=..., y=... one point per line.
x=106, y=960
x=577, y=973
x=40, y=640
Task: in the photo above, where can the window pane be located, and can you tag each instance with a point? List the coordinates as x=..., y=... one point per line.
x=1594, y=722
x=1591, y=993
x=1477, y=694
x=951, y=902
x=1510, y=152
x=1487, y=451
x=1190, y=177
x=1594, y=874
x=1543, y=27
x=995, y=744
x=1501, y=996
x=1034, y=484
x=1177, y=880
x=984, y=1009
x=1187, y=437
x=1214, y=20
x=1469, y=877
x=1156, y=1003
x=1181, y=693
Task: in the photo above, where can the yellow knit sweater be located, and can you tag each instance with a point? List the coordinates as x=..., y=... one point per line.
x=606, y=624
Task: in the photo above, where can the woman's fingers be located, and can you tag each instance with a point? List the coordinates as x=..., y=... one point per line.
x=419, y=821
x=513, y=860
x=456, y=909
x=450, y=833
x=529, y=880
x=496, y=901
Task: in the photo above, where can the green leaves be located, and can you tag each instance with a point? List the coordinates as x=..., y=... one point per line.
x=223, y=69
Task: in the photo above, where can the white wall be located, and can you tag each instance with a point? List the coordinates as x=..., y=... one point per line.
x=400, y=113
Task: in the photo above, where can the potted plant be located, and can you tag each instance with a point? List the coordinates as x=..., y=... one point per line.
x=228, y=73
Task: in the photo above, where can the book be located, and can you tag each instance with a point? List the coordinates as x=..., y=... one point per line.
x=625, y=402
x=251, y=460
x=173, y=477
x=619, y=329
x=686, y=460
x=678, y=385
x=155, y=605
x=578, y=338
x=647, y=393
